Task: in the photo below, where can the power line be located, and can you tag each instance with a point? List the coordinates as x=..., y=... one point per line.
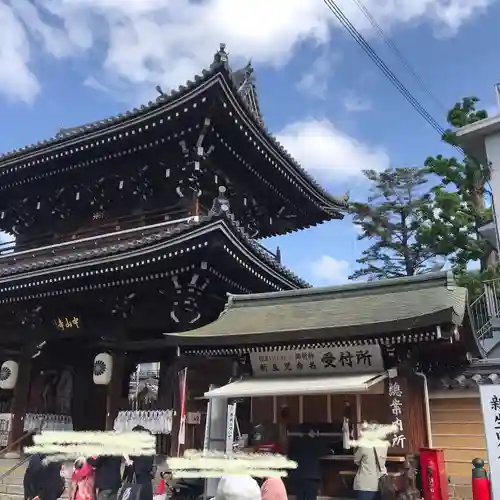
x=404, y=61
x=360, y=40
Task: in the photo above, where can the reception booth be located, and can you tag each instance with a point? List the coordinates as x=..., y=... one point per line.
x=326, y=394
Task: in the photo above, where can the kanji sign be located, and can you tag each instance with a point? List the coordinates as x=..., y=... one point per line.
x=193, y=418
x=356, y=359
x=231, y=421
x=396, y=408
x=490, y=405
x=71, y=323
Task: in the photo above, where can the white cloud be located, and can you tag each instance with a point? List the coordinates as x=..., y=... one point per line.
x=150, y=42
x=92, y=83
x=314, y=82
x=329, y=271
x=356, y=104
x=328, y=152
x=16, y=79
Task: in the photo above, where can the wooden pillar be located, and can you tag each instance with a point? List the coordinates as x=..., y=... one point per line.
x=20, y=396
x=114, y=389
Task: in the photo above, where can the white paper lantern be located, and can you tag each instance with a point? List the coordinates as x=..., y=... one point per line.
x=8, y=374
x=103, y=367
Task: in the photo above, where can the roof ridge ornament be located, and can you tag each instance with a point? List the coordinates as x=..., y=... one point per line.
x=249, y=68
x=220, y=205
x=221, y=57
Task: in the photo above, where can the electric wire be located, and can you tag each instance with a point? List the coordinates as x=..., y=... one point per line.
x=368, y=49
x=403, y=60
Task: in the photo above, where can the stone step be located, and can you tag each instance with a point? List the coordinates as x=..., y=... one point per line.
x=13, y=496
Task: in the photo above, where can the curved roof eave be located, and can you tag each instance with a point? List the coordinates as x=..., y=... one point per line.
x=165, y=102
x=231, y=230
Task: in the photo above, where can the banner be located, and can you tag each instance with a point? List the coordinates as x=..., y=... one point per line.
x=5, y=424
x=230, y=423
x=183, y=394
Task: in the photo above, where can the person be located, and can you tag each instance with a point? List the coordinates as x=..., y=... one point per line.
x=273, y=488
x=238, y=488
x=307, y=451
x=43, y=479
x=370, y=461
x=107, y=479
x=82, y=481
x=141, y=471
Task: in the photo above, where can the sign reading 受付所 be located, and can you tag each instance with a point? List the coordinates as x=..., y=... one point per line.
x=317, y=361
x=490, y=405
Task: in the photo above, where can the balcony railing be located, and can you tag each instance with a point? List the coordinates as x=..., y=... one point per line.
x=485, y=314
x=14, y=253
x=115, y=236
x=98, y=227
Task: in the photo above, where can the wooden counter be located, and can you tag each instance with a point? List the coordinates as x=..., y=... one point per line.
x=338, y=473
x=351, y=458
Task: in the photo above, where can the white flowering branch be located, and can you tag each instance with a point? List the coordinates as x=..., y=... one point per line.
x=67, y=445
x=217, y=464
x=374, y=436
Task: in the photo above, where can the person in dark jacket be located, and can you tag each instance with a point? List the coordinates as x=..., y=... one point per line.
x=307, y=451
x=43, y=479
x=141, y=471
x=107, y=476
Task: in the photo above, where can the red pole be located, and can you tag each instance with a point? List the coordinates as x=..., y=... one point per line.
x=480, y=482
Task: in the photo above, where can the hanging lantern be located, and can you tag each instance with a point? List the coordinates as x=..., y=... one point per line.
x=8, y=374
x=103, y=368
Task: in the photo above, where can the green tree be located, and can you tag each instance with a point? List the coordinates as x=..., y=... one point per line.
x=391, y=218
x=457, y=208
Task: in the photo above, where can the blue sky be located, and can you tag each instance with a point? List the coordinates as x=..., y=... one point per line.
x=67, y=62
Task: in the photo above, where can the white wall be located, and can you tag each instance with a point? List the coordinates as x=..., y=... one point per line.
x=492, y=144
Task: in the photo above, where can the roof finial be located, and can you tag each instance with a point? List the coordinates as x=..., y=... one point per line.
x=221, y=56
x=249, y=68
x=278, y=255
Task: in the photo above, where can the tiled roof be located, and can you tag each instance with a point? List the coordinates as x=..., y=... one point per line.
x=352, y=310
x=85, y=256
x=220, y=66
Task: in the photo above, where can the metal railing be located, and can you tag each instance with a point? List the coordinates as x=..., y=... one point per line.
x=485, y=311
x=89, y=242
x=97, y=227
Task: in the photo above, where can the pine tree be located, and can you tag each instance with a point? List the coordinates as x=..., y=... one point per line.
x=391, y=218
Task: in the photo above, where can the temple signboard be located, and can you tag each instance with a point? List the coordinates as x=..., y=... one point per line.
x=490, y=406
x=322, y=361
x=63, y=323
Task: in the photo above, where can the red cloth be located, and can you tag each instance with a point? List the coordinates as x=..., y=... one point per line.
x=160, y=488
x=85, y=471
x=268, y=448
x=83, y=489
x=82, y=483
